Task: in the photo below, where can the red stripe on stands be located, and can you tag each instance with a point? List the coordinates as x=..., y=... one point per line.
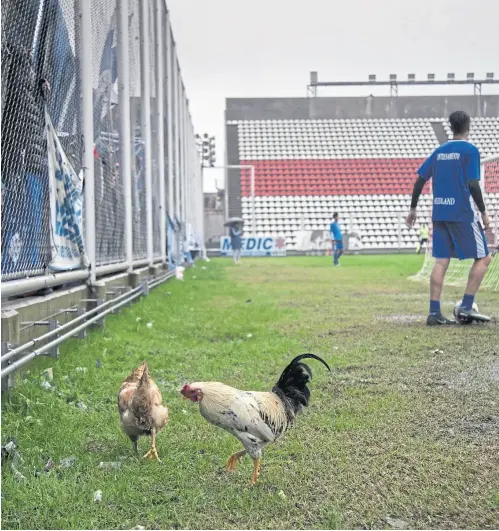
x=342, y=177
x=492, y=177
x=331, y=177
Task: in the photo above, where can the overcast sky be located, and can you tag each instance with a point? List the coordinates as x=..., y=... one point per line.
x=267, y=48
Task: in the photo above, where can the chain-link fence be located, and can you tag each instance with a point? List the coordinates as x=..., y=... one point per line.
x=46, y=73
x=109, y=190
x=138, y=163
x=28, y=38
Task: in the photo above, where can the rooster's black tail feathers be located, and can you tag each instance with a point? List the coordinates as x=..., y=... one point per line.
x=292, y=385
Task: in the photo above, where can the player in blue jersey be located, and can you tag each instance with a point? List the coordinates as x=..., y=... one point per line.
x=457, y=233
x=336, y=239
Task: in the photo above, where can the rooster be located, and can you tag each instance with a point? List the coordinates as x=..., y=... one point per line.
x=140, y=408
x=255, y=418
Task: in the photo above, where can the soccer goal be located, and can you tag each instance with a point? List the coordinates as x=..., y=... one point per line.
x=457, y=274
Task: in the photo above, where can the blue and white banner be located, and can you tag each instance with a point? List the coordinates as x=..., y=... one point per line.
x=319, y=241
x=256, y=246
x=170, y=242
x=66, y=202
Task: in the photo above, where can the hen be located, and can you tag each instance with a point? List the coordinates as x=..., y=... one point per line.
x=255, y=418
x=140, y=408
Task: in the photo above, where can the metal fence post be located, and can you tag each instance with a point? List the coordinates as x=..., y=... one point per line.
x=85, y=60
x=176, y=135
x=7, y=380
x=160, y=126
x=188, y=205
x=176, y=106
x=181, y=144
x=125, y=124
x=184, y=162
x=145, y=106
x=188, y=147
x=81, y=311
x=169, y=88
x=187, y=165
x=54, y=351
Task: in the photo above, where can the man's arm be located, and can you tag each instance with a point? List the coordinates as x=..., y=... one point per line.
x=472, y=171
x=416, y=192
x=476, y=194
x=425, y=173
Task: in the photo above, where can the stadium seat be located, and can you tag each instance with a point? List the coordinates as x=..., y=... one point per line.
x=363, y=168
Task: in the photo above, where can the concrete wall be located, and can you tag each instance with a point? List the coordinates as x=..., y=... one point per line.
x=359, y=107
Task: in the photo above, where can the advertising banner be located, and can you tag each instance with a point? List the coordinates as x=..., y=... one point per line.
x=319, y=241
x=256, y=246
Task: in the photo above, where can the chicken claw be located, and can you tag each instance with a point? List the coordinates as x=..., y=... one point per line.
x=233, y=460
x=256, y=472
x=152, y=454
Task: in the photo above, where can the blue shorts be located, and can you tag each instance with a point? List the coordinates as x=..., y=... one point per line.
x=338, y=245
x=453, y=239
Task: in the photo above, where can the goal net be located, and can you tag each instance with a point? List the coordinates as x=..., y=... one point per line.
x=457, y=274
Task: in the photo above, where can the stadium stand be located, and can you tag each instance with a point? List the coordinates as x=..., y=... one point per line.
x=364, y=168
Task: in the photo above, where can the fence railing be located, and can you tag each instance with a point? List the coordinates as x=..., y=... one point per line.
x=100, y=168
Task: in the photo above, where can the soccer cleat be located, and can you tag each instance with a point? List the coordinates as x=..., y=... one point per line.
x=464, y=316
x=439, y=320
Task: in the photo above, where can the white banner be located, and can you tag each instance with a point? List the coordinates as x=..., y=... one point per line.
x=320, y=240
x=256, y=246
x=66, y=202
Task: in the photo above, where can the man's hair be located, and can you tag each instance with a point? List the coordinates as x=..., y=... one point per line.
x=459, y=122
x=335, y=215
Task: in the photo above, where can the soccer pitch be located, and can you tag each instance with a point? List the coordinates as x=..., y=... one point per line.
x=405, y=427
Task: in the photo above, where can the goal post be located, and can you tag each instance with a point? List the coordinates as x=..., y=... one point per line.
x=457, y=274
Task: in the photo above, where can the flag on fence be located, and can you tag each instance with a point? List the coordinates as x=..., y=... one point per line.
x=66, y=202
x=179, y=237
x=170, y=241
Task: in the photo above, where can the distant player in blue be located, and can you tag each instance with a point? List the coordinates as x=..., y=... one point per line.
x=457, y=233
x=236, y=233
x=336, y=239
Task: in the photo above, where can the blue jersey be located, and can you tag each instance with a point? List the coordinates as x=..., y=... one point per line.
x=235, y=238
x=335, y=231
x=452, y=166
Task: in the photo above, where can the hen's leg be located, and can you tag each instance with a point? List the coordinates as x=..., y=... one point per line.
x=233, y=459
x=135, y=445
x=256, y=471
x=153, y=453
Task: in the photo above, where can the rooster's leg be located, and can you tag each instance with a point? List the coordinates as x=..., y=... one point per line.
x=256, y=471
x=135, y=443
x=233, y=459
x=153, y=453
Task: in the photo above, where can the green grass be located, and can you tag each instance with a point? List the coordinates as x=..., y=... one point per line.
x=405, y=426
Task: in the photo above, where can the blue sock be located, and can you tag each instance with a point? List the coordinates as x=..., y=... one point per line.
x=468, y=301
x=435, y=307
